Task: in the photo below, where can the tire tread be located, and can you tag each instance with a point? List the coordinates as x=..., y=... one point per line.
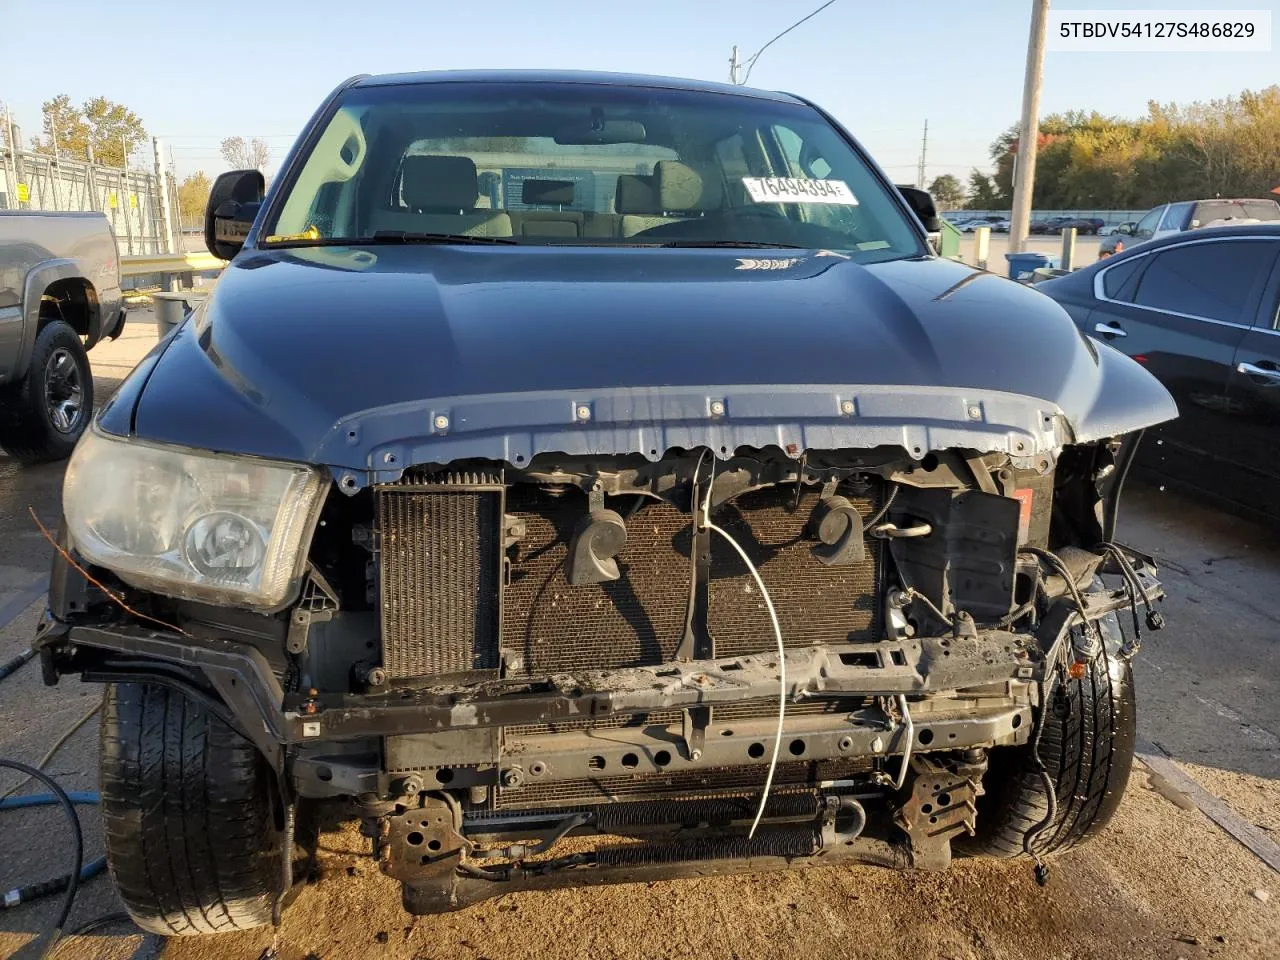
x=192, y=842
x=1087, y=752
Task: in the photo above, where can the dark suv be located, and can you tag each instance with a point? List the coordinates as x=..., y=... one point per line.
x=565, y=457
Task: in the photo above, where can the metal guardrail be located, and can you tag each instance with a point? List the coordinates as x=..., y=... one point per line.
x=169, y=263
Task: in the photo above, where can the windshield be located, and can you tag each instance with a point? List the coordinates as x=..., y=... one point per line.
x=579, y=163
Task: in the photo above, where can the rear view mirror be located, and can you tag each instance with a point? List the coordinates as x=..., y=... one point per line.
x=598, y=131
x=922, y=206
x=233, y=205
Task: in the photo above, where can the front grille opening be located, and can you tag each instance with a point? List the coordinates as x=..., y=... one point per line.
x=636, y=620
x=453, y=600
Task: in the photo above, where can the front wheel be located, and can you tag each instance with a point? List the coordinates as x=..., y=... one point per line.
x=1087, y=748
x=193, y=832
x=43, y=415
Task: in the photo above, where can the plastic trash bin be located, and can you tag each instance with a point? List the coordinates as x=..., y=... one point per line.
x=1022, y=265
x=171, y=308
x=1040, y=274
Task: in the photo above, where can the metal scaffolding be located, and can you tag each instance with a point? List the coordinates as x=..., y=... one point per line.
x=137, y=203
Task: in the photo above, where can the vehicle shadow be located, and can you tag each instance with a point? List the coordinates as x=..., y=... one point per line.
x=1207, y=682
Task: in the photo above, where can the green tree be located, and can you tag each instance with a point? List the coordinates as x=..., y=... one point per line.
x=947, y=191
x=101, y=128
x=115, y=131
x=983, y=194
x=193, y=195
x=1226, y=147
x=65, y=131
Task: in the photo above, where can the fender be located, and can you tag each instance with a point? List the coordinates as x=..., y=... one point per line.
x=37, y=282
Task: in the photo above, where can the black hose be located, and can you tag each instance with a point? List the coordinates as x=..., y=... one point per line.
x=1111, y=511
x=17, y=663
x=1050, y=788
x=55, y=932
x=884, y=509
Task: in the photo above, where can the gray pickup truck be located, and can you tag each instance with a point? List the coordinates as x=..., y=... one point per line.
x=59, y=295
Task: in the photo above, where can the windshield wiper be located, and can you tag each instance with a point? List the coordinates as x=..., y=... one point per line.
x=385, y=236
x=405, y=236
x=743, y=244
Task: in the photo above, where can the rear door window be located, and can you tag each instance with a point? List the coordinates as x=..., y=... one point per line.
x=1116, y=281
x=1175, y=217
x=1214, y=280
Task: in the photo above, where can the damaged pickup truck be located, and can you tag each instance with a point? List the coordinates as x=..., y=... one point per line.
x=597, y=478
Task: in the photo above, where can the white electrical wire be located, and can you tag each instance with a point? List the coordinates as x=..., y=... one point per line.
x=910, y=736
x=782, y=671
x=777, y=632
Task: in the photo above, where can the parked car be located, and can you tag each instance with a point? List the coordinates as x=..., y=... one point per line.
x=1199, y=311
x=1000, y=226
x=1048, y=225
x=1082, y=225
x=968, y=226
x=1171, y=218
x=1125, y=229
x=508, y=524
x=59, y=295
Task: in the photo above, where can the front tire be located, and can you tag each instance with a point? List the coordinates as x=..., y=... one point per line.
x=1087, y=748
x=43, y=415
x=194, y=842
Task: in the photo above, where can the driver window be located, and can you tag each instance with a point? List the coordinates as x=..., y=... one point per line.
x=789, y=141
x=1147, y=225
x=803, y=161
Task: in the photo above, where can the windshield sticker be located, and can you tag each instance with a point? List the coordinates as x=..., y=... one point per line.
x=791, y=190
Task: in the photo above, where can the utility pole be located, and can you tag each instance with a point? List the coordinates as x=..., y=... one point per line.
x=19, y=166
x=924, y=151
x=733, y=65
x=1029, y=130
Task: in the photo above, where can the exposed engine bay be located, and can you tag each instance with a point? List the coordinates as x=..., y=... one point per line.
x=739, y=661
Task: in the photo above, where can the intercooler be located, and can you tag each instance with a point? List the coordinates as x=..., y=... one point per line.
x=454, y=601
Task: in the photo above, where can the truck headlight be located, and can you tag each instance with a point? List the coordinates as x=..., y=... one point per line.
x=204, y=526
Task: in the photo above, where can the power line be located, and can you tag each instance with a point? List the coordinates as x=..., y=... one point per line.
x=751, y=61
x=214, y=136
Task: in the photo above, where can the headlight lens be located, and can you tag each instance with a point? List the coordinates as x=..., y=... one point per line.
x=221, y=529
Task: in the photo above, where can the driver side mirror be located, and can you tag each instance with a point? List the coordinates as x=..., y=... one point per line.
x=233, y=204
x=922, y=206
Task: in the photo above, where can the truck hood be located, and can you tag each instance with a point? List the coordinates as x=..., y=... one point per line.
x=367, y=358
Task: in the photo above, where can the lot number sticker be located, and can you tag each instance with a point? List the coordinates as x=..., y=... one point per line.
x=792, y=190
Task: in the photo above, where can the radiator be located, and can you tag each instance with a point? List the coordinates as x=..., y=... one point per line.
x=446, y=610
x=440, y=576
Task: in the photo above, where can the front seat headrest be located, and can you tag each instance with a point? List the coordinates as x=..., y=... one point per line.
x=678, y=186
x=439, y=184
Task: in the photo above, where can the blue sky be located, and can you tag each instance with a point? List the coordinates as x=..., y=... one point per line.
x=198, y=72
